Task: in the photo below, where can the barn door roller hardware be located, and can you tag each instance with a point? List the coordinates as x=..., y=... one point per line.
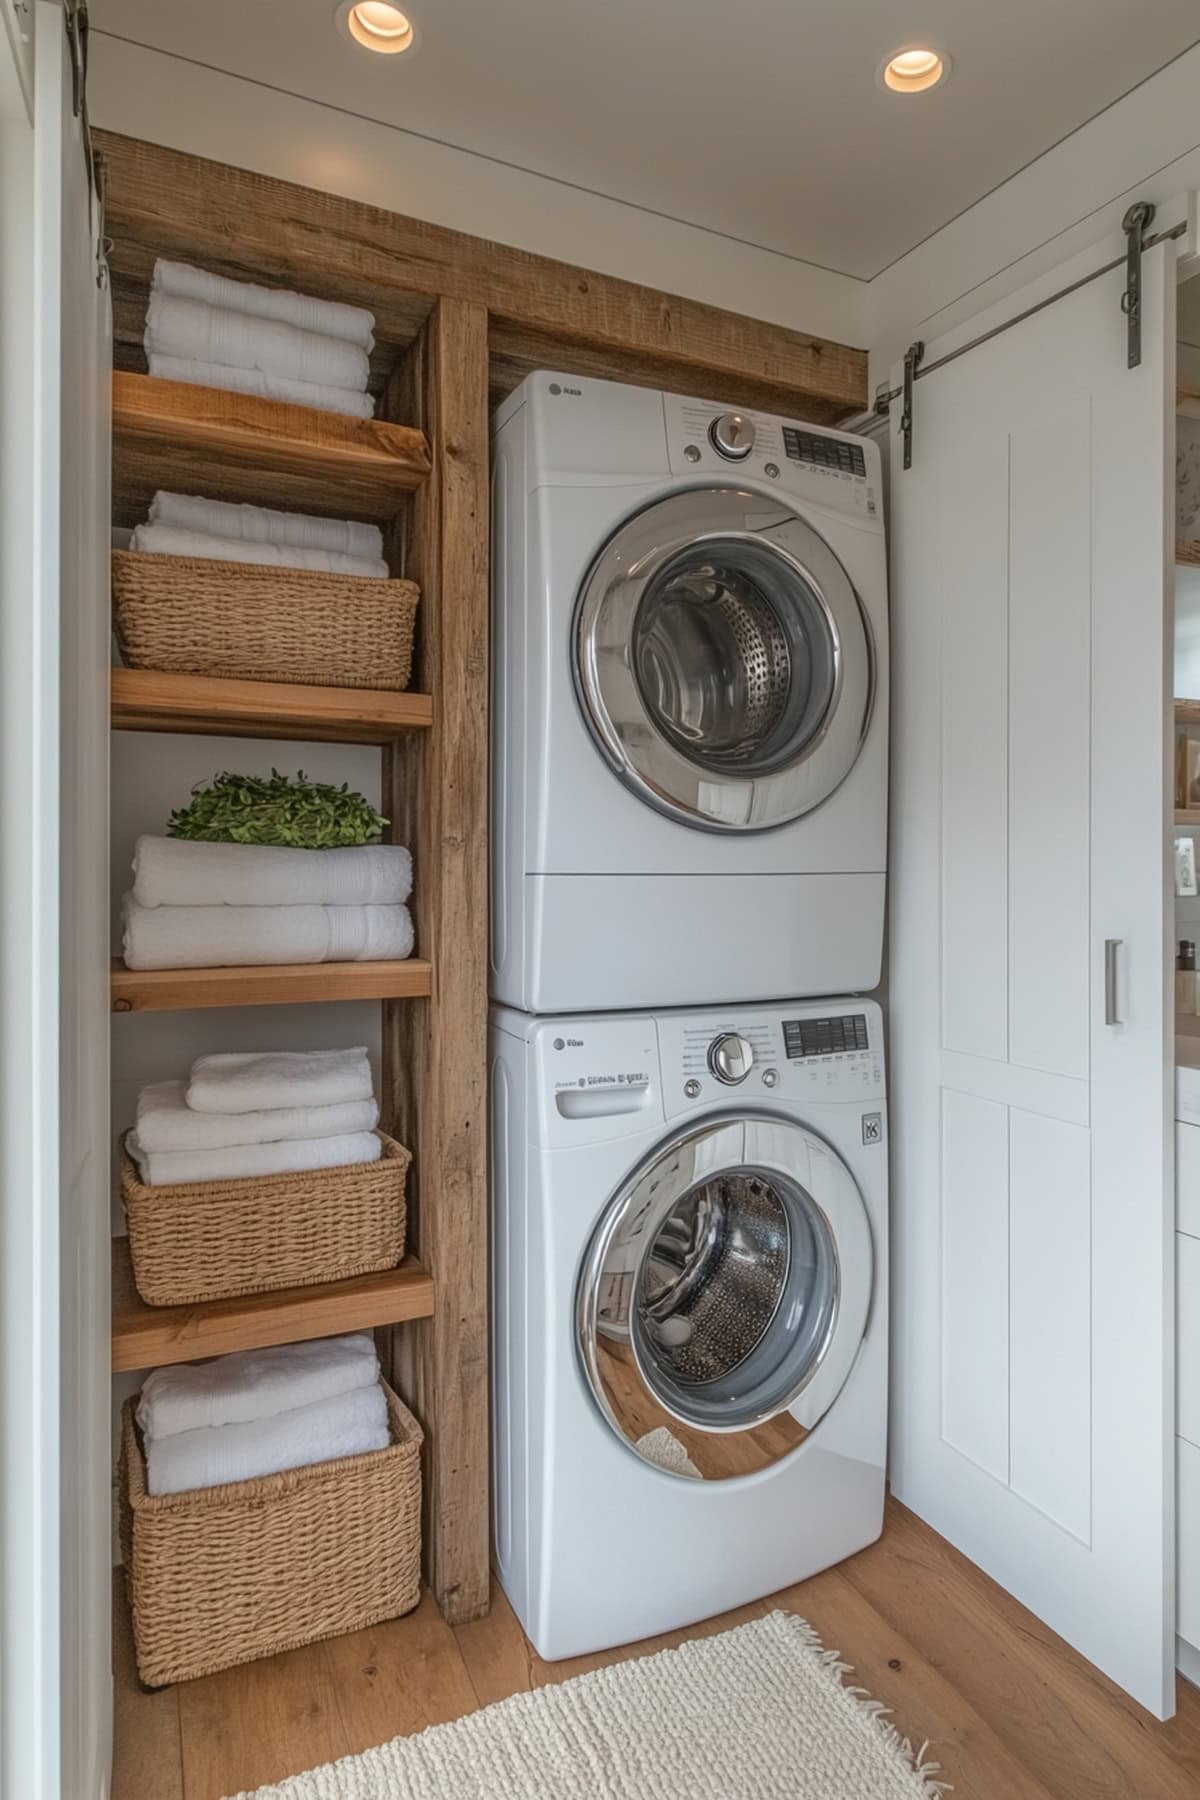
x=912, y=357
x=1135, y=224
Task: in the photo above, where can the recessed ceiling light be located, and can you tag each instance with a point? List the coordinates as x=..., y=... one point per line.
x=377, y=26
x=914, y=70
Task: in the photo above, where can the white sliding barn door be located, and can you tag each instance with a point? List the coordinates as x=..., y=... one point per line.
x=56, y=1150
x=1032, y=1387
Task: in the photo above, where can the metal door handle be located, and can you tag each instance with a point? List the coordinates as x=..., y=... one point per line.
x=1111, y=946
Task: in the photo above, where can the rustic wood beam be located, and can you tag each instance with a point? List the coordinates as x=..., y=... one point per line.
x=541, y=312
x=435, y=1055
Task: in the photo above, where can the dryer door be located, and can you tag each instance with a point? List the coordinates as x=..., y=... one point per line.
x=724, y=1296
x=723, y=660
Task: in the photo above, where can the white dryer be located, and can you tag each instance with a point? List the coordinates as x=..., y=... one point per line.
x=689, y=1310
x=690, y=702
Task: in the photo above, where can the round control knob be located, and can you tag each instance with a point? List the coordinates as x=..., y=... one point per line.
x=732, y=436
x=730, y=1058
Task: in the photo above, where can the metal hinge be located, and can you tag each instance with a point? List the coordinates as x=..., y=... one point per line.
x=1135, y=224
x=912, y=358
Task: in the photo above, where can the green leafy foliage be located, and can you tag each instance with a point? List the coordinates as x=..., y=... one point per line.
x=305, y=815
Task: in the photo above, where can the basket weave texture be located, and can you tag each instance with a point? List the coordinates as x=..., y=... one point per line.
x=189, y=615
x=222, y=1575
x=211, y=1240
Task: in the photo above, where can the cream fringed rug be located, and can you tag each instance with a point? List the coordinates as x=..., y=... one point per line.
x=758, y=1713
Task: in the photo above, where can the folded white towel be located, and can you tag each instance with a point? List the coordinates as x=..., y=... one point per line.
x=348, y=1425
x=216, y=937
x=269, y=387
x=183, y=872
x=255, y=1384
x=290, y=1156
x=263, y=525
x=332, y=317
x=230, y=1081
x=169, y=540
x=191, y=328
x=165, y=1121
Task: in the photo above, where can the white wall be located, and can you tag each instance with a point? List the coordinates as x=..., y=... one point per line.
x=149, y=94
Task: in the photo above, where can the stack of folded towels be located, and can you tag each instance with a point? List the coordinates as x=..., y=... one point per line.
x=199, y=905
x=260, y=1411
x=215, y=332
x=186, y=525
x=264, y=1113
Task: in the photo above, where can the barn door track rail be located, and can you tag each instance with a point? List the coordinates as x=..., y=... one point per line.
x=1135, y=223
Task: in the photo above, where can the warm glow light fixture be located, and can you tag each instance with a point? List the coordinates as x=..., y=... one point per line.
x=377, y=26
x=914, y=70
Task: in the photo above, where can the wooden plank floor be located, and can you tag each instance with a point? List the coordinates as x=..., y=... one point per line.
x=1010, y=1711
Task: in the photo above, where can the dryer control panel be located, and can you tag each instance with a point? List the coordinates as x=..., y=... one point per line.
x=831, y=469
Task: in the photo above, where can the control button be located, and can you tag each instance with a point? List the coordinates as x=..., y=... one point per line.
x=732, y=436
x=692, y=452
x=730, y=1058
x=771, y=470
x=770, y=1078
x=692, y=1089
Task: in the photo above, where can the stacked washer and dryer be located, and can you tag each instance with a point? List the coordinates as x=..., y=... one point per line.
x=689, y=1256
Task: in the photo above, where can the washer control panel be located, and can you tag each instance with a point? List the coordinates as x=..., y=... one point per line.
x=799, y=1053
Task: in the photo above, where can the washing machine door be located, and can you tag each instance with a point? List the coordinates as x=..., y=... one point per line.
x=724, y=1296
x=723, y=660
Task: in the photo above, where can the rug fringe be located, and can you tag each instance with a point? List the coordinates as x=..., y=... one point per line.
x=919, y=1761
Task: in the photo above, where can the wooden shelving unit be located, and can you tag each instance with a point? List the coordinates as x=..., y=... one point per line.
x=148, y=700
x=268, y=984
x=197, y=440
x=144, y=1336
x=1187, y=552
x=424, y=477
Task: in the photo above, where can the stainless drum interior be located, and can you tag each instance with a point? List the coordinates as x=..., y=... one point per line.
x=729, y=1280
x=735, y=658
x=723, y=660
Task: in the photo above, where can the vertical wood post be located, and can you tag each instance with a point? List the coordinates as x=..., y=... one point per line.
x=435, y=1051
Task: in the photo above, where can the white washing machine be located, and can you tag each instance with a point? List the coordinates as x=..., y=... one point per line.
x=690, y=704
x=689, y=1310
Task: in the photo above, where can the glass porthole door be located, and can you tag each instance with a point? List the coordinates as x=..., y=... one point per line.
x=724, y=1296
x=723, y=660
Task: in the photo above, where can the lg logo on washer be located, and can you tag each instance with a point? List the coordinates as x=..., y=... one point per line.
x=556, y=388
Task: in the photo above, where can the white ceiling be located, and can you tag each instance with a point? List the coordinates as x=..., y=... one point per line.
x=760, y=119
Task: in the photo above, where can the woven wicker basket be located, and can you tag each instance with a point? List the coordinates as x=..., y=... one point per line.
x=222, y=1575
x=210, y=1240
x=196, y=616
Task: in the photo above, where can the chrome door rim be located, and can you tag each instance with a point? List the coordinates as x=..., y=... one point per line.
x=729, y=1145
x=610, y=694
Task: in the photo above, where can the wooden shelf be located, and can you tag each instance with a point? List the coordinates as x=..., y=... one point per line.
x=1189, y=816
x=1187, y=401
x=274, y=984
x=143, y=1337
x=149, y=700
x=1187, y=552
x=1187, y=712
x=196, y=440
